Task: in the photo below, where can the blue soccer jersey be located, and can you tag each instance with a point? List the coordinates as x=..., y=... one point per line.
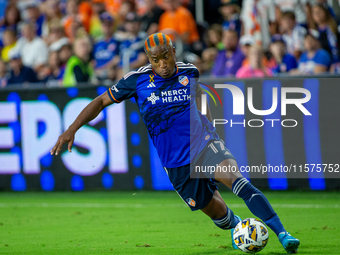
x=167, y=106
x=105, y=51
x=126, y=44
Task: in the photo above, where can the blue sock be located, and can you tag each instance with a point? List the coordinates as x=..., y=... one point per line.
x=228, y=221
x=258, y=204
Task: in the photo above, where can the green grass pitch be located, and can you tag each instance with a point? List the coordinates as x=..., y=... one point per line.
x=153, y=223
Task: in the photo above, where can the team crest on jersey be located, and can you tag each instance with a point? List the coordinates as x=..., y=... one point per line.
x=183, y=80
x=191, y=202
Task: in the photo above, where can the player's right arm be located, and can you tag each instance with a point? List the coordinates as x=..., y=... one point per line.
x=87, y=114
x=124, y=89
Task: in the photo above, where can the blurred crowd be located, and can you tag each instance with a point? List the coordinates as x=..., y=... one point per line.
x=67, y=42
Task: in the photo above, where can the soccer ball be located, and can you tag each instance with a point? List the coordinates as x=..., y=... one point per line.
x=250, y=235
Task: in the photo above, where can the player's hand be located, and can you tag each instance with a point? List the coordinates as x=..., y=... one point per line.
x=66, y=137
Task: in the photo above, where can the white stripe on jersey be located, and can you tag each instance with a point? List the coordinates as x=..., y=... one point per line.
x=188, y=67
x=145, y=69
x=182, y=65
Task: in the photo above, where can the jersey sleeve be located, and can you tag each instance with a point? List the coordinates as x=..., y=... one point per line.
x=196, y=76
x=124, y=89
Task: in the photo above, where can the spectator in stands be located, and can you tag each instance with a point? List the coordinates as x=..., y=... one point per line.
x=309, y=11
x=3, y=4
x=78, y=68
x=64, y=54
x=314, y=60
x=297, y=7
x=34, y=16
x=53, y=17
x=33, y=50
x=20, y=74
x=106, y=50
x=11, y=21
x=51, y=74
x=229, y=60
x=9, y=41
x=214, y=37
x=246, y=41
x=284, y=62
x=178, y=19
x=113, y=6
x=3, y=74
x=230, y=11
x=126, y=7
x=74, y=20
x=255, y=67
x=56, y=33
x=293, y=34
x=150, y=19
x=135, y=43
x=96, y=28
x=327, y=27
x=214, y=44
x=85, y=13
x=259, y=20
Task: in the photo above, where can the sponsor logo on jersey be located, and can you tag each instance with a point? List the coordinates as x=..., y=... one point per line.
x=153, y=98
x=191, y=202
x=175, y=95
x=115, y=88
x=151, y=84
x=183, y=80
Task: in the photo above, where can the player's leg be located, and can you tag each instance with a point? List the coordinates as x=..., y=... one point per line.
x=221, y=215
x=257, y=203
x=202, y=194
x=254, y=198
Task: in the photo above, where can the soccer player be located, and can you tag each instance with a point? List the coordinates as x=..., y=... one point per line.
x=164, y=91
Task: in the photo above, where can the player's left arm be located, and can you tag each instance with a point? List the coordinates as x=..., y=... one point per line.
x=198, y=99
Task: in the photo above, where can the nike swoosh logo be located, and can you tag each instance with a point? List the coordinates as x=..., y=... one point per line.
x=253, y=196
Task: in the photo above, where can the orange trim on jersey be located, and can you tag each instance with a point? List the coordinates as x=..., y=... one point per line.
x=113, y=96
x=154, y=72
